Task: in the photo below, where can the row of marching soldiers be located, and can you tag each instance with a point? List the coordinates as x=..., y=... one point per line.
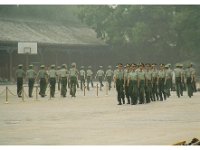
x=145, y=83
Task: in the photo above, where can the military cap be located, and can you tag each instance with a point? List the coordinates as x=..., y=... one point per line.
x=58, y=67
x=154, y=64
x=42, y=66
x=89, y=66
x=133, y=65
x=162, y=65
x=73, y=64
x=82, y=67
x=167, y=66
x=100, y=66
x=64, y=65
x=147, y=64
x=52, y=66
x=177, y=64
x=180, y=65
x=109, y=66
x=120, y=64
x=127, y=65
x=140, y=64
x=20, y=65
x=30, y=66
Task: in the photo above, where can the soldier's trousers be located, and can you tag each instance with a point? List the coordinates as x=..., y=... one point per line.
x=148, y=91
x=127, y=92
x=19, y=86
x=52, y=82
x=133, y=90
x=167, y=87
x=109, y=80
x=155, y=90
x=59, y=81
x=89, y=80
x=178, y=86
x=141, y=91
x=73, y=81
x=120, y=90
x=194, y=86
x=63, y=86
x=43, y=86
x=161, y=89
x=31, y=82
x=82, y=82
x=189, y=86
x=100, y=78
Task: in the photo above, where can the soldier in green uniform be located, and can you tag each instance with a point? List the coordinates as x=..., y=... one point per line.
x=73, y=73
x=183, y=78
x=161, y=82
x=178, y=79
x=133, y=84
x=99, y=75
x=58, y=77
x=193, y=71
x=82, y=77
x=42, y=76
x=148, y=83
x=167, y=83
x=31, y=75
x=20, y=74
x=52, y=80
x=108, y=76
x=188, y=75
x=119, y=82
x=63, y=76
x=154, y=82
x=89, y=77
x=141, y=83
x=126, y=72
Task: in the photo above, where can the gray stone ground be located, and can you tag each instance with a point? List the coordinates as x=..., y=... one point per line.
x=92, y=120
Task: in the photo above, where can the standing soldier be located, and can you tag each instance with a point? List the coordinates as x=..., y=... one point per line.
x=154, y=82
x=183, y=78
x=178, y=79
x=31, y=75
x=20, y=74
x=58, y=77
x=100, y=74
x=141, y=83
x=193, y=71
x=52, y=80
x=188, y=75
x=73, y=73
x=89, y=77
x=108, y=76
x=63, y=75
x=161, y=82
x=126, y=72
x=82, y=77
x=148, y=83
x=42, y=75
x=119, y=81
x=168, y=79
x=133, y=84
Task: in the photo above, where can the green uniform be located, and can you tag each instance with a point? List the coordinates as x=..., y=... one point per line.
x=141, y=88
x=167, y=83
x=178, y=80
x=42, y=75
x=82, y=78
x=89, y=74
x=73, y=73
x=99, y=75
x=109, y=74
x=119, y=80
x=31, y=75
x=126, y=87
x=52, y=81
x=133, y=87
x=63, y=75
x=188, y=75
x=193, y=73
x=154, y=84
x=148, y=86
x=161, y=82
x=20, y=74
x=58, y=79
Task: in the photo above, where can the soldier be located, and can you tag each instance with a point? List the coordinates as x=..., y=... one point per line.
x=89, y=77
x=119, y=81
x=183, y=88
x=188, y=75
x=31, y=75
x=52, y=80
x=58, y=77
x=126, y=72
x=73, y=73
x=100, y=74
x=141, y=83
x=82, y=77
x=42, y=75
x=161, y=82
x=193, y=78
x=63, y=76
x=168, y=78
x=108, y=76
x=133, y=84
x=178, y=79
x=20, y=74
x=154, y=82
x=148, y=83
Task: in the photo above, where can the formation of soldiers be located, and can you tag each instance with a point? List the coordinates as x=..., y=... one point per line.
x=138, y=83
x=144, y=83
